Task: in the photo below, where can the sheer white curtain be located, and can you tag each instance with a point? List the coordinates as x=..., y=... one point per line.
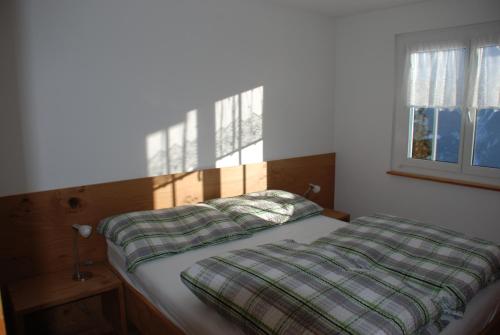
x=435, y=74
x=484, y=82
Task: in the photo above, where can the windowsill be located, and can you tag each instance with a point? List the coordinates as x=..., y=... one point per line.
x=445, y=180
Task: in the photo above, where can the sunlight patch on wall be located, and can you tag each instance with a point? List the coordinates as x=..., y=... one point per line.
x=182, y=145
x=174, y=149
x=156, y=152
x=251, y=126
x=238, y=128
x=227, y=131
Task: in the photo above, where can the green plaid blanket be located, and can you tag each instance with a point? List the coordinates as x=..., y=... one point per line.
x=149, y=235
x=290, y=288
x=449, y=266
x=261, y=210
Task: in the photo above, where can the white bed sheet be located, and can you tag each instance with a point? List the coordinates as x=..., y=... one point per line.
x=159, y=281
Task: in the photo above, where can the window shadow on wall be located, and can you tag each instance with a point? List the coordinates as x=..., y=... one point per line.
x=173, y=152
x=238, y=128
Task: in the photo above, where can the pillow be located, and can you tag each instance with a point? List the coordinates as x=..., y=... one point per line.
x=261, y=210
x=149, y=235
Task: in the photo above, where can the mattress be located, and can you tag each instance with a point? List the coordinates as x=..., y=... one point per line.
x=159, y=282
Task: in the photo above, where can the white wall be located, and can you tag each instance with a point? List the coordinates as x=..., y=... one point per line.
x=96, y=77
x=364, y=100
x=12, y=167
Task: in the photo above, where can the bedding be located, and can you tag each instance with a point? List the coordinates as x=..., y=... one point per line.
x=447, y=265
x=159, y=282
x=292, y=288
x=261, y=210
x=149, y=235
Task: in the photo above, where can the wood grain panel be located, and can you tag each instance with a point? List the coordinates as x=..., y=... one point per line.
x=2, y=318
x=35, y=228
x=295, y=174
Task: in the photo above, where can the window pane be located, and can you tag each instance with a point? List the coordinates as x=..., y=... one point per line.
x=487, y=138
x=435, y=87
x=448, y=139
x=436, y=134
x=423, y=133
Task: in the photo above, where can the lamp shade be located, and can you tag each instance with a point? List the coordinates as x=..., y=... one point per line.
x=83, y=230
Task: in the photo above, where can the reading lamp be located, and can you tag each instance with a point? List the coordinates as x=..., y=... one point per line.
x=84, y=231
x=312, y=187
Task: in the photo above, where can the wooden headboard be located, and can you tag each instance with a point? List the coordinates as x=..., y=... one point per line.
x=35, y=228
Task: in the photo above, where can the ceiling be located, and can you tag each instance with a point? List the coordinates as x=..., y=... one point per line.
x=345, y=7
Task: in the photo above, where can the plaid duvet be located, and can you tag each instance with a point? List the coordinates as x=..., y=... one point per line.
x=449, y=266
x=261, y=210
x=149, y=235
x=291, y=288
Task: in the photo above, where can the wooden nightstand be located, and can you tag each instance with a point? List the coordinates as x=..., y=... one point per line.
x=336, y=215
x=56, y=289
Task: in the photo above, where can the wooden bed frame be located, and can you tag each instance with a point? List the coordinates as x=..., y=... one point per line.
x=42, y=220
x=143, y=315
x=150, y=321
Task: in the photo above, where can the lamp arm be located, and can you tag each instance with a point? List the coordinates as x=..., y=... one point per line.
x=308, y=191
x=76, y=256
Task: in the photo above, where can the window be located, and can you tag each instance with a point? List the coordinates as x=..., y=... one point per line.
x=447, y=118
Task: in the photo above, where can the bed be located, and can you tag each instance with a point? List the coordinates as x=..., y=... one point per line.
x=43, y=220
x=157, y=285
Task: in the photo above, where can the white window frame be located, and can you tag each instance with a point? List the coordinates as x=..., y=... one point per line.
x=402, y=123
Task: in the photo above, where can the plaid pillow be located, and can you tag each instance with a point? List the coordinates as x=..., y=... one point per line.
x=262, y=210
x=149, y=235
